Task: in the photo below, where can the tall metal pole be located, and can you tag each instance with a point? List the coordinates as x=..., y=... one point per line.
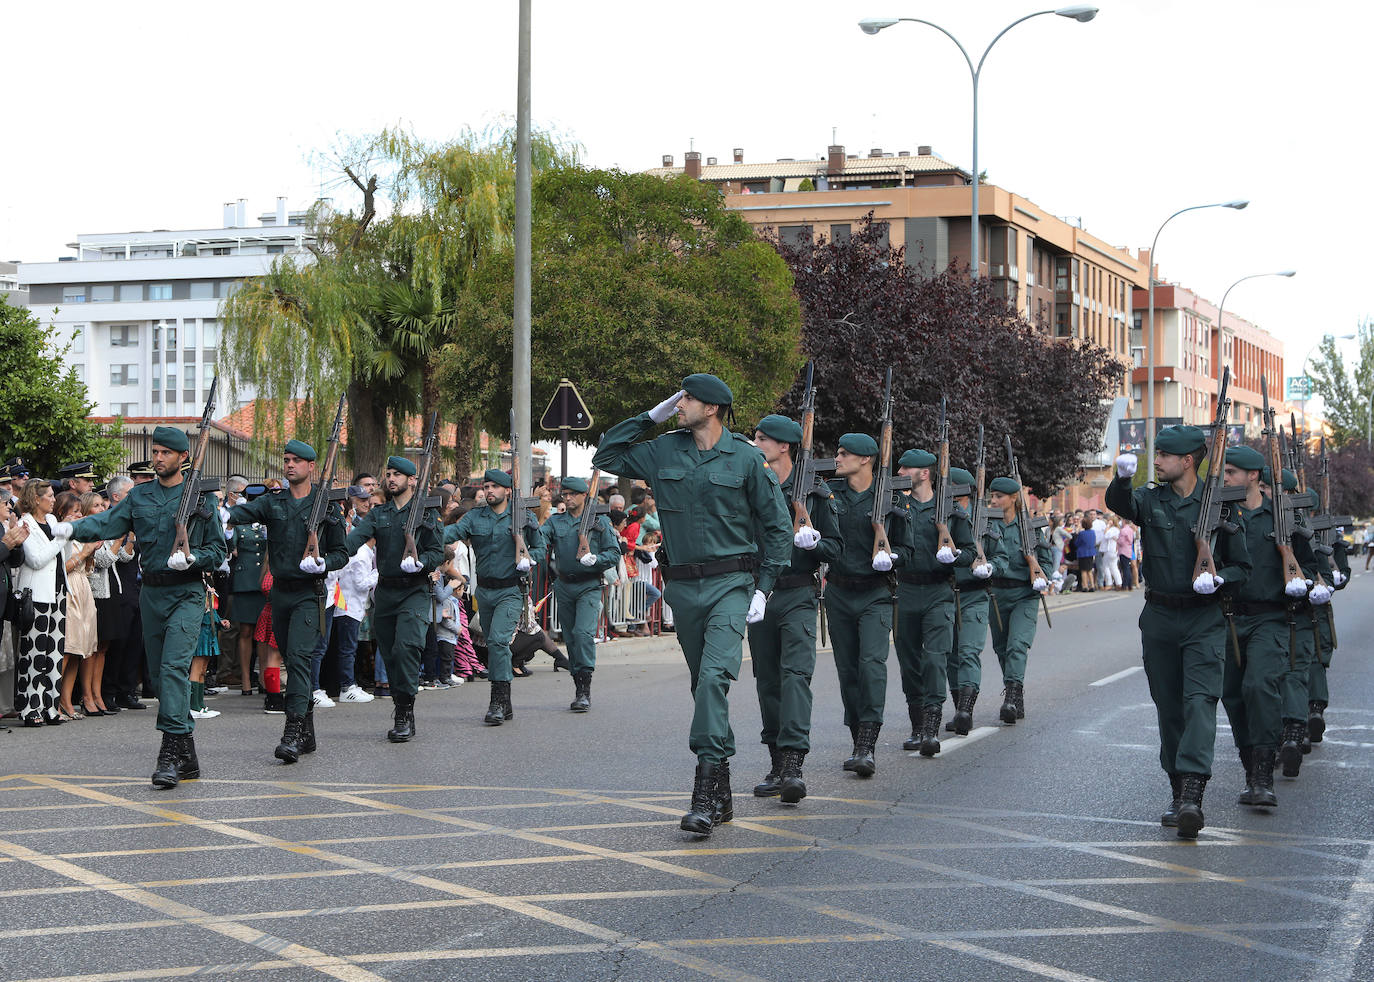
x=520, y=381
x=1369, y=423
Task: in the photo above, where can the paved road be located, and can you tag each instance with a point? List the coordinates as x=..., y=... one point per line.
x=549, y=848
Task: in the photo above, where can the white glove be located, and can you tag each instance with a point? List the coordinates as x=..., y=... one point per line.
x=1126, y=465
x=1207, y=583
x=947, y=555
x=667, y=407
x=224, y=566
x=181, y=562
x=1321, y=594
x=315, y=565
x=882, y=562
x=588, y=559
x=409, y=565
x=523, y=564
x=1337, y=577
x=806, y=538
x=1297, y=587
x=756, y=608
x=1038, y=584
x=61, y=530
x=982, y=570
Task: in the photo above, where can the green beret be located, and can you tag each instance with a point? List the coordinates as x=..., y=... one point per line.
x=709, y=389
x=575, y=484
x=402, y=464
x=171, y=438
x=1290, y=480
x=1181, y=440
x=859, y=443
x=957, y=475
x=917, y=458
x=497, y=477
x=1246, y=458
x=300, y=448
x=1006, y=485
x=1267, y=476
x=780, y=428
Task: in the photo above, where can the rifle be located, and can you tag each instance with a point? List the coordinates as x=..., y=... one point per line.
x=419, y=500
x=945, y=493
x=1280, y=501
x=519, y=511
x=884, y=484
x=591, y=508
x=1325, y=523
x=807, y=470
x=1298, y=455
x=978, y=508
x=192, y=487
x=323, y=493
x=1028, y=529
x=1214, y=493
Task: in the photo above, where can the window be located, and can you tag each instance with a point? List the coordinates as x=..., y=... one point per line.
x=203, y=291
x=124, y=336
x=275, y=250
x=79, y=339
x=171, y=338
x=124, y=408
x=80, y=372
x=228, y=288
x=157, y=378
x=159, y=291
x=190, y=377
x=795, y=235
x=188, y=330
x=157, y=338
x=839, y=234
x=73, y=294
x=104, y=293
x=130, y=292
x=124, y=374
x=220, y=251
x=171, y=391
x=209, y=334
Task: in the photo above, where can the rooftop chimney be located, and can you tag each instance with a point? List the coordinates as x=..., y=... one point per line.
x=691, y=163
x=923, y=151
x=835, y=158
x=876, y=152
x=739, y=155
x=229, y=213
x=667, y=160
x=241, y=213
x=281, y=211
x=710, y=161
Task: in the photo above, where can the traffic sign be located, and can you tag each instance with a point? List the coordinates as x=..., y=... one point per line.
x=1299, y=388
x=566, y=410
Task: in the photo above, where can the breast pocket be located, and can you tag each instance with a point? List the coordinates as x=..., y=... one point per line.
x=723, y=493
x=670, y=489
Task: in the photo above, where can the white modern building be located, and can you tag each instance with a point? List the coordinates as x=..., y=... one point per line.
x=142, y=308
x=9, y=286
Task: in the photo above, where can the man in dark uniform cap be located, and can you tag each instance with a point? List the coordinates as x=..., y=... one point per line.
x=1183, y=632
x=18, y=472
x=142, y=471
x=717, y=501
x=79, y=477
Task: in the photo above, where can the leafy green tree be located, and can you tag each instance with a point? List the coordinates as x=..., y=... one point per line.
x=43, y=404
x=1345, y=391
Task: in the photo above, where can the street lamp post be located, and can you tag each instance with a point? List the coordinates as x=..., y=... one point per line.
x=1221, y=310
x=872, y=25
x=1149, y=329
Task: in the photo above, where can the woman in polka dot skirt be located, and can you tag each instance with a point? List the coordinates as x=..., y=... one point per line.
x=39, y=670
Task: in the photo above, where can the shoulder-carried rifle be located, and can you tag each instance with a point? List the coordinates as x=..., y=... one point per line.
x=420, y=501
x=884, y=483
x=591, y=510
x=192, y=487
x=1028, y=529
x=807, y=470
x=945, y=492
x=1214, y=493
x=978, y=508
x=324, y=491
x=1324, y=524
x=1280, y=501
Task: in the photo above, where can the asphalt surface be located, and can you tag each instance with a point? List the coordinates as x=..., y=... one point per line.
x=548, y=848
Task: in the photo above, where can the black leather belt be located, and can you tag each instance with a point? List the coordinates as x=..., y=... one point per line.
x=1253, y=607
x=973, y=585
x=403, y=582
x=795, y=581
x=1007, y=583
x=1178, y=601
x=924, y=579
x=498, y=582
x=699, y=571
x=581, y=576
x=171, y=578
x=858, y=582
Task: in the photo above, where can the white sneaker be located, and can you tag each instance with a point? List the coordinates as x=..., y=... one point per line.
x=454, y=680
x=355, y=694
x=321, y=699
x=204, y=713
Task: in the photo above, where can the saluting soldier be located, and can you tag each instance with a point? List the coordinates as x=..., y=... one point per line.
x=297, y=597
x=858, y=598
x=925, y=602
x=500, y=577
x=965, y=671
x=782, y=646
x=1318, y=695
x=401, y=612
x=1015, y=596
x=717, y=502
x=1183, y=632
x=172, y=599
x=577, y=590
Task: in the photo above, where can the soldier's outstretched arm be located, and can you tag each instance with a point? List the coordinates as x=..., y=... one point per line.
x=1121, y=499
x=248, y=512
x=112, y=523
x=362, y=531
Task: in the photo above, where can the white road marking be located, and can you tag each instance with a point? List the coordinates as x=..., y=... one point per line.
x=1349, y=934
x=1119, y=675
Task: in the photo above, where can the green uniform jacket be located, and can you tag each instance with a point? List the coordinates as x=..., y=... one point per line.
x=249, y=550
x=387, y=524
x=1013, y=564
x=149, y=510
x=855, y=513
x=993, y=551
x=825, y=520
x=1166, y=529
x=490, y=535
x=558, y=535
x=924, y=540
x=714, y=504
x=286, y=517
x=1266, y=580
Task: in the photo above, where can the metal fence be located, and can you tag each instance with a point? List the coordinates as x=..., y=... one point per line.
x=224, y=454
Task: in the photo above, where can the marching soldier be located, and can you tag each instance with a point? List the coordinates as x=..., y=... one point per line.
x=577, y=591
x=401, y=615
x=1183, y=632
x=782, y=646
x=172, y=599
x=858, y=598
x=297, y=598
x=965, y=669
x=1015, y=597
x=1317, y=693
x=717, y=502
x=500, y=597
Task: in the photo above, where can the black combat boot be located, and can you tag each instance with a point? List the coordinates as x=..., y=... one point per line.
x=168, y=757
x=308, y=732
x=1020, y=696
x=402, y=718
x=792, y=788
x=864, y=745
x=506, y=707
x=188, y=764
x=1316, y=720
x=1170, y=817
x=930, y=731
x=954, y=698
x=582, y=692
x=1263, y=784
x=854, y=753
x=1247, y=759
x=723, y=801
x=963, y=709
x=771, y=783
x=1008, y=711
x=1305, y=744
x=699, y=819
x=1190, y=820
x=496, y=707
x=1290, y=754
x=274, y=703
x=289, y=750
x=918, y=722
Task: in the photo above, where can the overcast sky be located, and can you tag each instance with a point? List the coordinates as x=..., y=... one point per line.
x=150, y=115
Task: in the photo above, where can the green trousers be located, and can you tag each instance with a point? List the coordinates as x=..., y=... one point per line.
x=925, y=638
x=296, y=626
x=708, y=615
x=498, y=611
x=579, y=611
x=400, y=621
x=860, y=623
x=1014, y=634
x=1184, y=653
x=1294, y=687
x=970, y=637
x=1317, y=690
x=1250, y=688
x=172, y=617
x=782, y=650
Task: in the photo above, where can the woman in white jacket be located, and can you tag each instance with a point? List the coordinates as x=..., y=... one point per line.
x=39, y=670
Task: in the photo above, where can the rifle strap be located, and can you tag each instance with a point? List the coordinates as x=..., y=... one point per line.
x=1292, y=642
x=1331, y=623
x=996, y=611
